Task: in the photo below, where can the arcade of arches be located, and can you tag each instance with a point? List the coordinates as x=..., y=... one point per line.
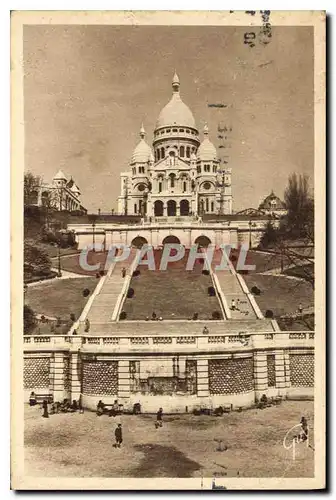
x=201, y=241
x=171, y=208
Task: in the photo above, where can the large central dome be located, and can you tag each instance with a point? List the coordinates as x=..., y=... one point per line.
x=176, y=112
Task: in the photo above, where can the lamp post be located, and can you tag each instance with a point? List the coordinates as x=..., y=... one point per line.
x=250, y=234
x=92, y=219
x=93, y=235
x=59, y=274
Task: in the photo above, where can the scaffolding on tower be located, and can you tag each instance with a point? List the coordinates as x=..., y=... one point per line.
x=224, y=129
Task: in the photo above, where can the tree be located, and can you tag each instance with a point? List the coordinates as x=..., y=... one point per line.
x=299, y=220
x=270, y=235
x=31, y=185
x=29, y=319
x=293, y=241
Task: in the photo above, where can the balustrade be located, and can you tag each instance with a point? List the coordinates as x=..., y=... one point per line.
x=212, y=342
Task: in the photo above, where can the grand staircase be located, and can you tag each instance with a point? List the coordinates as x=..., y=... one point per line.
x=232, y=288
x=105, y=301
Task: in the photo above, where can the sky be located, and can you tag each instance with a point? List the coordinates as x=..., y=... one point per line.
x=87, y=89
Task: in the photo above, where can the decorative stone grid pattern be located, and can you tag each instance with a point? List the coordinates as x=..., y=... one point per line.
x=230, y=376
x=66, y=374
x=191, y=376
x=36, y=373
x=100, y=377
x=301, y=370
x=271, y=370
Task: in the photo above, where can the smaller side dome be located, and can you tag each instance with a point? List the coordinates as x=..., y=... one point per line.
x=143, y=152
x=272, y=202
x=206, y=151
x=59, y=176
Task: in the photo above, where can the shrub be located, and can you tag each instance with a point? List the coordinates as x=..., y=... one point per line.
x=72, y=317
x=211, y=291
x=216, y=315
x=269, y=314
x=36, y=261
x=255, y=290
x=29, y=319
x=86, y=292
x=97, y=275
x=101, y=272
x=43, y=319
x=136, y=273
x=130, y=293
x=122, y=315
x=205, y=272
x=233, y=258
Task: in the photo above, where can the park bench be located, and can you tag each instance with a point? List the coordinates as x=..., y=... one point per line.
x=40, y=397
x=109, y=409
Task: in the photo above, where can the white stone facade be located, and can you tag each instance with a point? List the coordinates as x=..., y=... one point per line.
x=179, y=176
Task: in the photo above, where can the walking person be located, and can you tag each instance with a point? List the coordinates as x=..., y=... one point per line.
x=304, y=427
x=123, y=272
x=300, y=309
x=118, y=436
x=233, y=305
x=158, y=422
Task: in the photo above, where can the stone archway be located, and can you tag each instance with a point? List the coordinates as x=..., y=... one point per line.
x=203, y=241
x=171, y=239
x=184, y=207
x=171, y=208
x=158, y=208
x=138, y=242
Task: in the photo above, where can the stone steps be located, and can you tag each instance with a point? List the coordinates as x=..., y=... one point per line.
x=105, y=302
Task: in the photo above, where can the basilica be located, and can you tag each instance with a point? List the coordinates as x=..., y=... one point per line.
x=180, y=175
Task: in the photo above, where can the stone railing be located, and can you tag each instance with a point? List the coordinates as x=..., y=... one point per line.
x=170, y=343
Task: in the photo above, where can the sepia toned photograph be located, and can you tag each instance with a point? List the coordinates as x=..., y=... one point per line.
x=168, y=266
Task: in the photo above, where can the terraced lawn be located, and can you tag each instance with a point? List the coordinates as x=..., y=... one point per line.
x=280, y=294
x=72, y=263
x=60, y=298
x=172, y=294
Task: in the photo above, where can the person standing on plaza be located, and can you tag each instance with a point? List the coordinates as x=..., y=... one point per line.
x=118, y=436
x=45, y=409
x=158, y=422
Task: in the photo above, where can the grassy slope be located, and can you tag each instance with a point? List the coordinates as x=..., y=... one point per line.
x=172, y=294
x=280, y=294
x=60, y=298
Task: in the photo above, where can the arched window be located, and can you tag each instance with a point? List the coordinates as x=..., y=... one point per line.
x=135, y=208
x=172, y=180
x=160, y=187
x=182, y=151
x=162, y=153
x=212, y=206
x=188, y=152
x=184, y=186
x=158, y=154
x=207, y=204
